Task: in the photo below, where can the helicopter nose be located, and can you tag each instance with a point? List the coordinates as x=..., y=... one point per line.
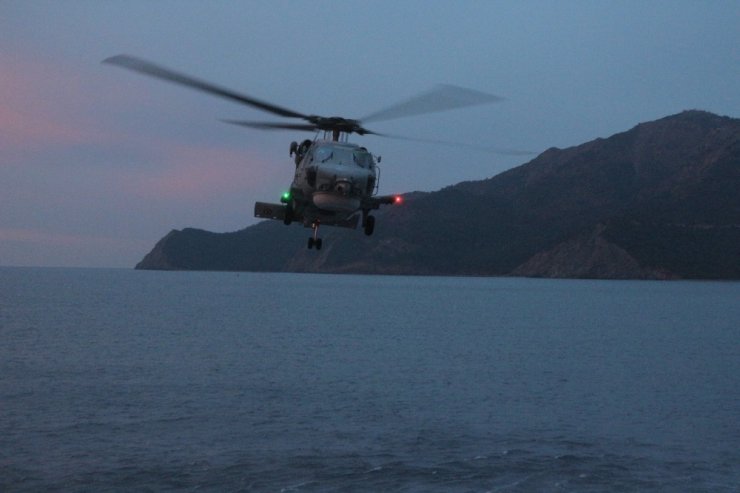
x=343, y=187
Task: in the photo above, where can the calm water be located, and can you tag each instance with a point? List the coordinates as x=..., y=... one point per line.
x=126, y=380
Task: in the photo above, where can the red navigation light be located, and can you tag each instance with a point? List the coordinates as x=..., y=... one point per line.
x=398, y=200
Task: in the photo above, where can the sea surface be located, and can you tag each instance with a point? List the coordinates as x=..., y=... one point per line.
x=123, y=380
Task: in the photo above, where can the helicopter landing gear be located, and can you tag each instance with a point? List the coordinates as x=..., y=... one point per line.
x=288, y=218
x=315, y=241
x=368, y=223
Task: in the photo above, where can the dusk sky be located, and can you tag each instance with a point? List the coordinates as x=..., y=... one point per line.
x=98, y=163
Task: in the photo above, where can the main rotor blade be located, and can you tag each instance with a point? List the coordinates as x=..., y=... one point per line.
x=148, y=68
x=318, y=123
x=272, y=126
x=442, y=98
x=494, y=150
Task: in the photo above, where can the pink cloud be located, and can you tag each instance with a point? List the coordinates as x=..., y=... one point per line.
x=64, y=239
x=195, y=173
x=44, y=104
x=49, y=106
x=71, y=157
x=68, y=241
x=20, y=129
x=36, y=247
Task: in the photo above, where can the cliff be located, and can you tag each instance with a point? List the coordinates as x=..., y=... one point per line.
x=659, y=201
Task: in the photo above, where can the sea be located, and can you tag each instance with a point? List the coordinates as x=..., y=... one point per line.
x=125, y=380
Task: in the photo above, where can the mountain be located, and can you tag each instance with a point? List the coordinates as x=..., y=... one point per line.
x=659, y=201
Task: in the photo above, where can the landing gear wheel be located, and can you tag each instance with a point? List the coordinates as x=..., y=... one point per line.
x=369, y=225
x=315, y=241
x=288, y=215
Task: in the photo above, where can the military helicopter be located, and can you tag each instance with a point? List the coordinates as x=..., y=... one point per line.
x=335, y=182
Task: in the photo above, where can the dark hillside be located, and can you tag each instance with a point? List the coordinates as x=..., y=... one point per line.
x=658, y=201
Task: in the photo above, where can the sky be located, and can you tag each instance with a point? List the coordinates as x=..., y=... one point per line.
x=98, y=163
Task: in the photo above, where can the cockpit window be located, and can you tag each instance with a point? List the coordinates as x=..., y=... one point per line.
x=363, y=158
x=323, y=154
x=344, y=156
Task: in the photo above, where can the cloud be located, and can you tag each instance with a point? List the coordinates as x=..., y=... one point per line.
x=60, y=239
x=46, y=107
x=57, y=113
x=21, y=128
x=20, y=247
x=190, y=172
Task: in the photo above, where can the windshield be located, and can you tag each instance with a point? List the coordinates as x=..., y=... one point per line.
x=363, y=158
x=344, y=156
x=323, y=154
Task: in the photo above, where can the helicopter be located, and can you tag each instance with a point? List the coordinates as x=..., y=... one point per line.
x=335, y=182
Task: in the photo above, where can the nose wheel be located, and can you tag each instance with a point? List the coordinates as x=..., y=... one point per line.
x=314, y=240
x=288, y=218
x=368, y=223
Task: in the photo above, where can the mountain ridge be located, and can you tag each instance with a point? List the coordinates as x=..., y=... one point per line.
x=658, y=201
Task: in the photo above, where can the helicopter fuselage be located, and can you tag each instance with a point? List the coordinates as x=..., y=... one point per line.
x=336, y=176
x=334, y=184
